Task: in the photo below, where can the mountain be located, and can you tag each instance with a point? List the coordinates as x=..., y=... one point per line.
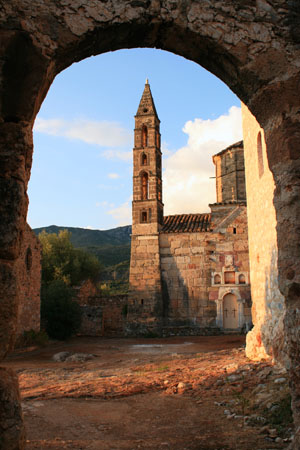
x=111, y=247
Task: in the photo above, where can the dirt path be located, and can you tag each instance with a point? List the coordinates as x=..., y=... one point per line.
x=179, y=393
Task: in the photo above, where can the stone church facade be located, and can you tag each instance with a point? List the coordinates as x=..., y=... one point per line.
x=189, y=273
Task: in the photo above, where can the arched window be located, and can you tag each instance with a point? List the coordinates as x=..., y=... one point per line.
x=144, y=136
x=145, y=186
x=242, y=279
x=144, y=159
x=217, y=279
x=260, y=160
x=144, y=217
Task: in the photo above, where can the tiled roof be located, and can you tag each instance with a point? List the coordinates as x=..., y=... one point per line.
x=186, y=223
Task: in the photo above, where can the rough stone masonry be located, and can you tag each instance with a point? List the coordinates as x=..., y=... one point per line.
x=252, y=45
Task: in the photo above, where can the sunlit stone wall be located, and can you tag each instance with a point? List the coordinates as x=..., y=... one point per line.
x=267, y=336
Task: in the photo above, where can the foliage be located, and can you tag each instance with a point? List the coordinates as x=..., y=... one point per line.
x=60, y=314
x=114, y=288
x=110, y=255
x=32, y=337
x=61, y=261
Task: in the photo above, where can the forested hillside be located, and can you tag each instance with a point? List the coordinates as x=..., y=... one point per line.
x=111, y=247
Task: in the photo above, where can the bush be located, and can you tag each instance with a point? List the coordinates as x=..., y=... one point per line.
x=60, y=314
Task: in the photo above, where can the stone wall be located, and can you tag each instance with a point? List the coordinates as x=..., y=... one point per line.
x=230, y=173
x=267, y=336
x=186, y=276
x=145, y=299
x=189, y=263
x=101, y=316
x=28, y=269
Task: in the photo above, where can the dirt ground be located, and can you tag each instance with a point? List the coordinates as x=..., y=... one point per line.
x=175, y=393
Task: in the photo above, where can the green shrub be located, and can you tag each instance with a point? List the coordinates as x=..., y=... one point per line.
x=60, y=314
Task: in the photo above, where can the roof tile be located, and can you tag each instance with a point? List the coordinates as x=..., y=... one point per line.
x=186, y=223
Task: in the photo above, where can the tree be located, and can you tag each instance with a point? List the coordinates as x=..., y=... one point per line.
x=63, y=266
x=60, y=314
x=61, y=261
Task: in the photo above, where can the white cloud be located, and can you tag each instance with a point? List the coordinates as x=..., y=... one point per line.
x=104, y=203
x=102, y=133
x=187, y=187
x=122, y=213
x=113, y=176
x=118, y=154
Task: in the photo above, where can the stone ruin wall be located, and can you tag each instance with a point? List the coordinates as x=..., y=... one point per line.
x=267, y=336
x=101, y=316
x=28, y=270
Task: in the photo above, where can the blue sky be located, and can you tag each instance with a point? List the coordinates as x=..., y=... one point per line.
x=83, y=137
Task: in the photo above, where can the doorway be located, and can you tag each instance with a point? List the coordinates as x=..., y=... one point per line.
x=230, y=312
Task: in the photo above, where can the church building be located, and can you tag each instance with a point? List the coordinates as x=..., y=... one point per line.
x=189, y=273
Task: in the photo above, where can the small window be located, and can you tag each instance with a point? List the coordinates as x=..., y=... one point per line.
x=145, y=186
x=142, y=301
x=229, y=277
x=242, y=279
x=260, y=160
x=217, y=279
x=144, y=136
x=234, y=230
x=144, y=217
x=144, y=159
x=28, y=259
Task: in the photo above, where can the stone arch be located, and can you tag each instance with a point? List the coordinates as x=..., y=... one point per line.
x=252, y=46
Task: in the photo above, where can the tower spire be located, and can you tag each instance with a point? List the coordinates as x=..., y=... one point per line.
x=147, y=106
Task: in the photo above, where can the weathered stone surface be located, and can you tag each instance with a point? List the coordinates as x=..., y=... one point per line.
x=28, y=270
x=12, y=432
x=267, y=337
x=9, y=302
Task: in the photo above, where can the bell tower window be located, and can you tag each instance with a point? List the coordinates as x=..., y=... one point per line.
x=145, y=183
x=144, y=136
x=144, y=217
x=144, y=161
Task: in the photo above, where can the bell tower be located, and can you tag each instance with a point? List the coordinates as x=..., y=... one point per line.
x=145, y=309
x=147, y=206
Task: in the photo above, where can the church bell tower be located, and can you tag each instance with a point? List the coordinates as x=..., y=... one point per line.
x=145, y=309
x=147, y=206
